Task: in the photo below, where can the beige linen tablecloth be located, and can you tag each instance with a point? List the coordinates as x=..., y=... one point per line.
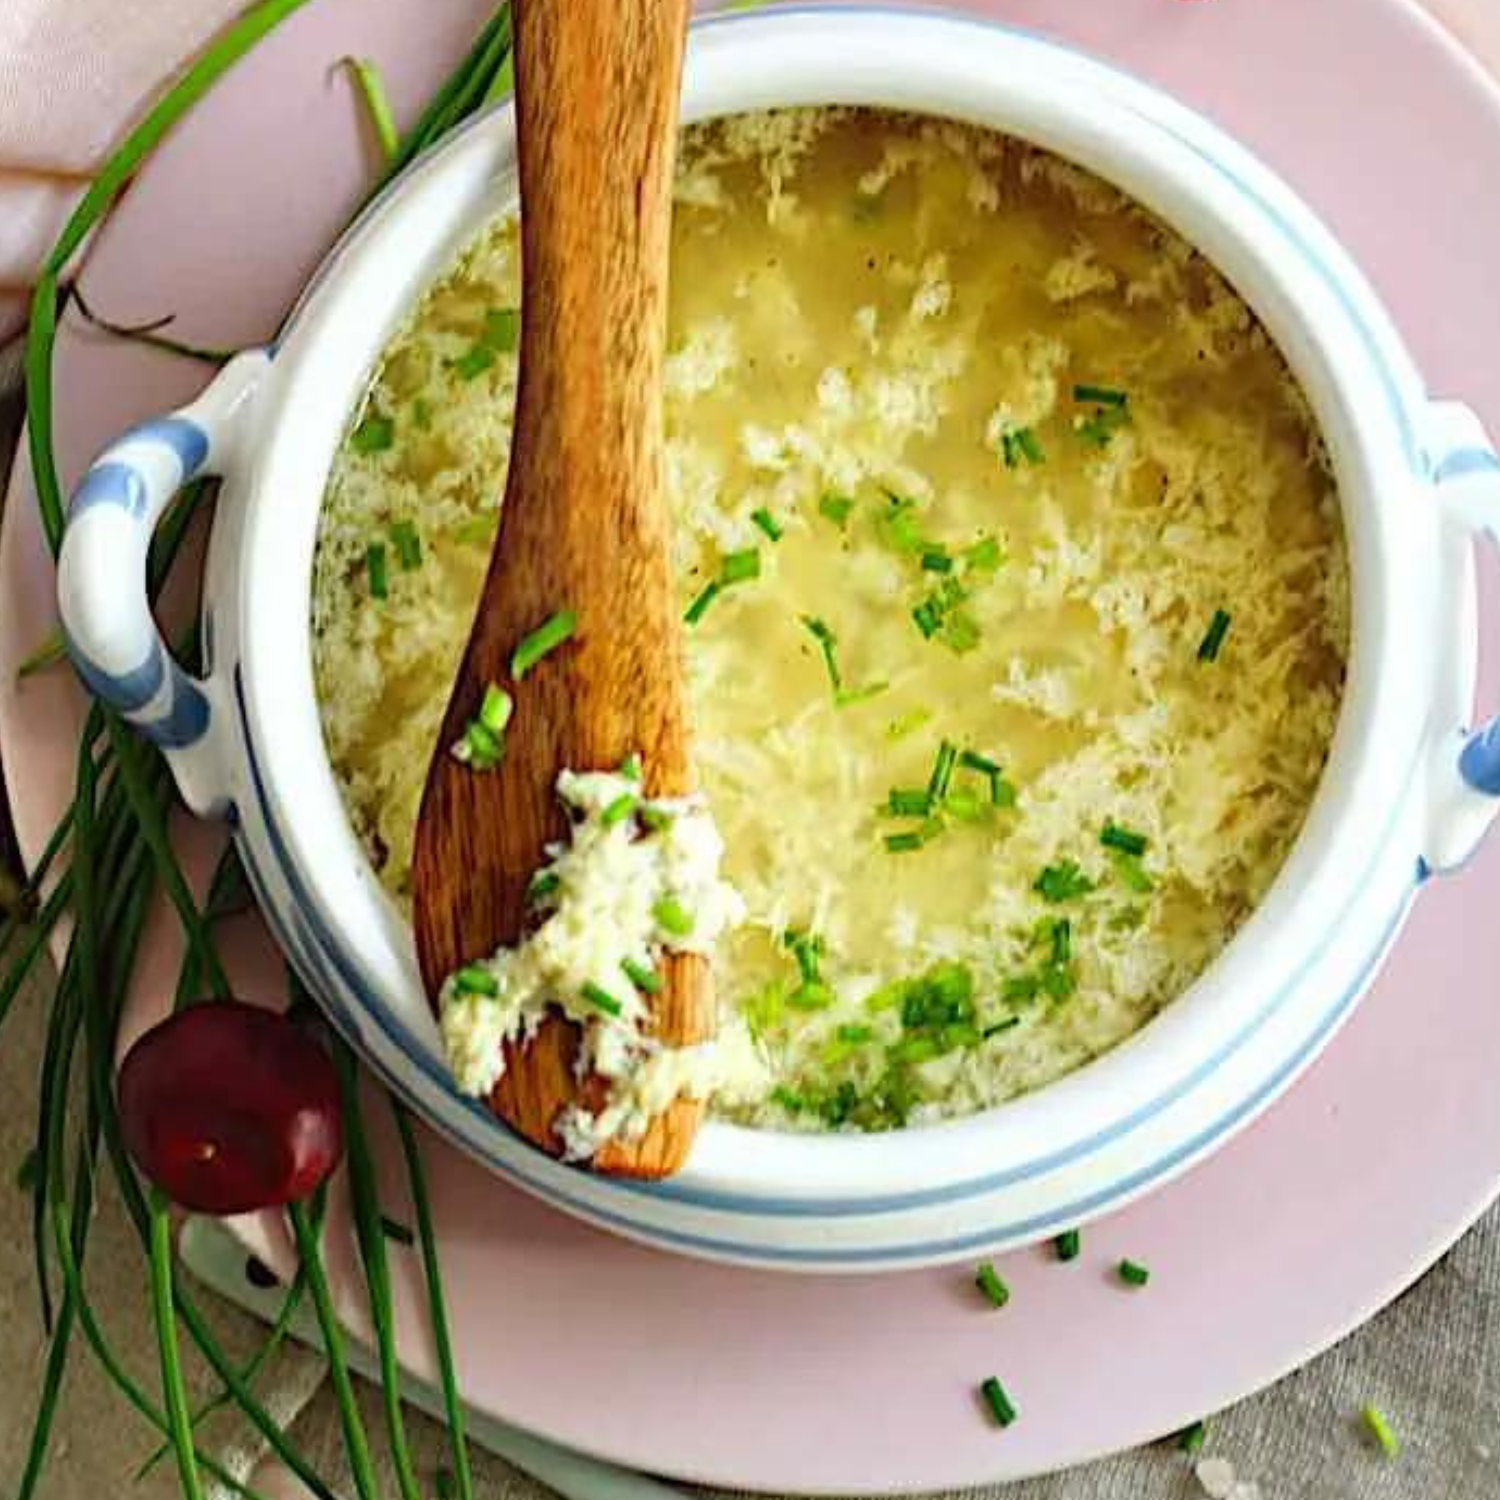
x=1432, y=1360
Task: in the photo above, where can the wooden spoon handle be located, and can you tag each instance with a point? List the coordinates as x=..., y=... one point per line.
x=596, y=188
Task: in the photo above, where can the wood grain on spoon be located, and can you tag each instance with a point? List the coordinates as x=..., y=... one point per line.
x=584, y=527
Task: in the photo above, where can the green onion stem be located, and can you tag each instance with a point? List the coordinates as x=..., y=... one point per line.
x=365, y=1202
x=437, y=1310
x=356, y=1445
x=202, y=1336
x=542, y=641
x=465, y=90
x=154, y=830
x=109, y=1361
x=123, y=850
x=174, y=1390
x=377, y=105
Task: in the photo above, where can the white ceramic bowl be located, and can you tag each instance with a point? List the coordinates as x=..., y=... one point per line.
x=1408, y=789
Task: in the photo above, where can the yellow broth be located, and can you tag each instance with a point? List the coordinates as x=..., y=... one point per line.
x=1019, y=447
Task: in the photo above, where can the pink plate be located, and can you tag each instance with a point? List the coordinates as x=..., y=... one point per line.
x=1388, y=1149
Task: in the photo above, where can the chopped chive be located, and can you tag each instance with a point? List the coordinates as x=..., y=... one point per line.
x=768, y=523
x=1132, y=874
x=1002, y=1408
x=1126, y=840
x=836, y=508
x=912, y=1051
x=1133, y=1273
x=1062, y=940
x=1192, y=1438
x=813, y=995
x=936, y=561
x=647, y=981
x=828, y=644
x=964, y=806
x=1020, y=445
x=1021, y=987
x=942, y=770
x=408, y=545
x=544, y=884
x=807, y=949
x=738, y=567
x=28, y=1173
x=898, y=527
x=1099, y=427
x=1068, y=1244
x=1213, y=639
x=495, y=708
x=421, y=414
x=929, y=618
x=791, y=1102
x=1382, y=1431
x=601, y=999
x=548, y=636
x=848, y=697
x=971, y=760
x=373, y=435
x=1000, y=1026
x=908, y=723
x=699, y=607
x=1059, y=981
x=375, y=567
x=476, y=530
x=397, y=1231
x=653, y=817
x=618, y=810
x=475, y=979
x=987, y=1279
x=907, y=802
x=855, y=1036
x=473, y=362
x=1064, y=881
x=502, y=329
x=630, y=767
x=961, y=631
x=1099, y=395
x=1002, y=792
x=984, y=556
x=915, y=838
x=672, y=917
x=480, y=748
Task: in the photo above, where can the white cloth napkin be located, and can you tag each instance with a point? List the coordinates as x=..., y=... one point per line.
x=74, y=76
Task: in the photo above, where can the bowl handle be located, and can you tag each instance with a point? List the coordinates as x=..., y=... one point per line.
x=101, y=580
x=1466, y=791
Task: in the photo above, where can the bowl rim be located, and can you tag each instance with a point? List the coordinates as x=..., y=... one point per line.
x=1178, y=165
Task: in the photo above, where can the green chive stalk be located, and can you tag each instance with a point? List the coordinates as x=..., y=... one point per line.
x=119, y=859
x=370, y=1233
x=437, y=1310
x=174, y=1390
x=356, y=1444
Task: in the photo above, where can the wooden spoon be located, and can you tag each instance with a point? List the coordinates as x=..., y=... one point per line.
x=584, y=528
